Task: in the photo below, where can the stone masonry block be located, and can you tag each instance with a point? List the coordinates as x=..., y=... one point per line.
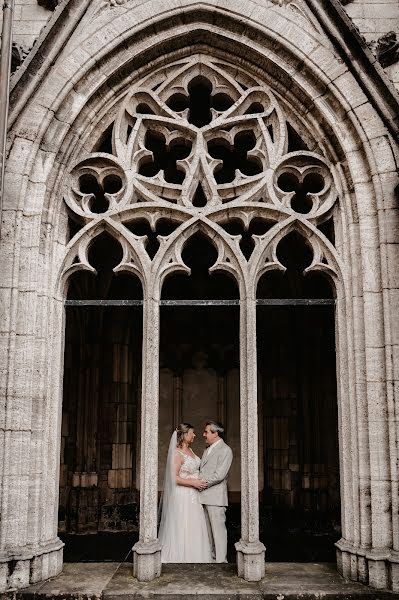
x=32, y=122
x=350, y=90
x=34, y=12
x=20, y=157
x=99, y=40
x=14, y=189
x=26, y=312
x=393, y=296
x=32, y=28
x=395, y=576
x=389, y=222
x=18, y=412
x=20, y=576
x=370, y=121
x=374, y=320
x=36, y=451
x=15, y=510
x=5, y=305
x=28, y=277
x=388, y=183
x=3, y=576
x=18, y=443
x=378, y=574
x=382, y=150
x=331, y=64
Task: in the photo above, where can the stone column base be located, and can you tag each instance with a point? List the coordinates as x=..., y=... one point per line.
x=250, y=560
x=24, y=566
x=378, y=568
x=394, y=563
x=147, y=560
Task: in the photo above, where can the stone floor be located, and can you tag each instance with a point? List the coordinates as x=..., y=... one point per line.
x=283, y=581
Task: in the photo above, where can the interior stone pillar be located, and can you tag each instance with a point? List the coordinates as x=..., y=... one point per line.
x=250, y=551
x=147, y=551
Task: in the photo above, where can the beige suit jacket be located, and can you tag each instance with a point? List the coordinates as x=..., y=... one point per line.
x=215, y=469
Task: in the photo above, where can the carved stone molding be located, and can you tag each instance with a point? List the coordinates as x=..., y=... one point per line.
x=301, y=11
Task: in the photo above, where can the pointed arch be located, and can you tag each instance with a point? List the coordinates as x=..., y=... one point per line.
x=265, y=258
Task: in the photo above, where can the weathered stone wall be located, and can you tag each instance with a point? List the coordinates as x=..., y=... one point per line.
x=29, y=20
x=375, y=19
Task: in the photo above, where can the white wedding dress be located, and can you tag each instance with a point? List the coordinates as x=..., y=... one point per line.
x=183, y=532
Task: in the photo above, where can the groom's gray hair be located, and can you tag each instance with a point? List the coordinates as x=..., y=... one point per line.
x=216, y=426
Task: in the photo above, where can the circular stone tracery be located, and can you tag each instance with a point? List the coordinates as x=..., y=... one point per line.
x=195, y=145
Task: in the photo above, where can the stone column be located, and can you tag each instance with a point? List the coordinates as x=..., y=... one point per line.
x=364, y=553
x=29, y=415
x=250, y=551
x=147, y=551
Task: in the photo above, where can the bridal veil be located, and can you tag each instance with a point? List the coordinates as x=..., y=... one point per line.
x=169, y=519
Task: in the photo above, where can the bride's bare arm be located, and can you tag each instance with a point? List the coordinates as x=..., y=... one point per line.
x=198, y=484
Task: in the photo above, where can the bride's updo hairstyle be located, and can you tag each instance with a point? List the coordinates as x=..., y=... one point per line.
x=181, y=430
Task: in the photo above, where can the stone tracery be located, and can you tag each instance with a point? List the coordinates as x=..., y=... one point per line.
x=197, y=146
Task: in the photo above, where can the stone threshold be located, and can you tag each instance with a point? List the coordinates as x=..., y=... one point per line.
x=283, y=581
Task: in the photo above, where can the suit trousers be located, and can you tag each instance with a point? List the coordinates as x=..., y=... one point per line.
x=216, y=523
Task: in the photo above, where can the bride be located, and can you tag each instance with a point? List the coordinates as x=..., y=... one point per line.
x=183, y=532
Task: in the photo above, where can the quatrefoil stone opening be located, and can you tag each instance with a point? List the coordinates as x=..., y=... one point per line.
x=202, y=103
x=164, y=157
x=234, y=157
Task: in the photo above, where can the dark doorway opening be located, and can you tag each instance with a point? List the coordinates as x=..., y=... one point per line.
x=199, y=363
x=99, y=501
x=299, y=487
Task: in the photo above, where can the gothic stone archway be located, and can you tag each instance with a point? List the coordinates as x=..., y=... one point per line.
x=201, y=148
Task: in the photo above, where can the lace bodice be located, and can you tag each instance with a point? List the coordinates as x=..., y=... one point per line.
x=190, y=466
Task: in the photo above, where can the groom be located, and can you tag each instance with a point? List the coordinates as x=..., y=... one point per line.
x=215, y=465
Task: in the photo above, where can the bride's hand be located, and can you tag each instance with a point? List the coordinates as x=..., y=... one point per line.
x=200, y=484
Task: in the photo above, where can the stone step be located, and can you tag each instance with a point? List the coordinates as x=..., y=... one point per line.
x=283, y=581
